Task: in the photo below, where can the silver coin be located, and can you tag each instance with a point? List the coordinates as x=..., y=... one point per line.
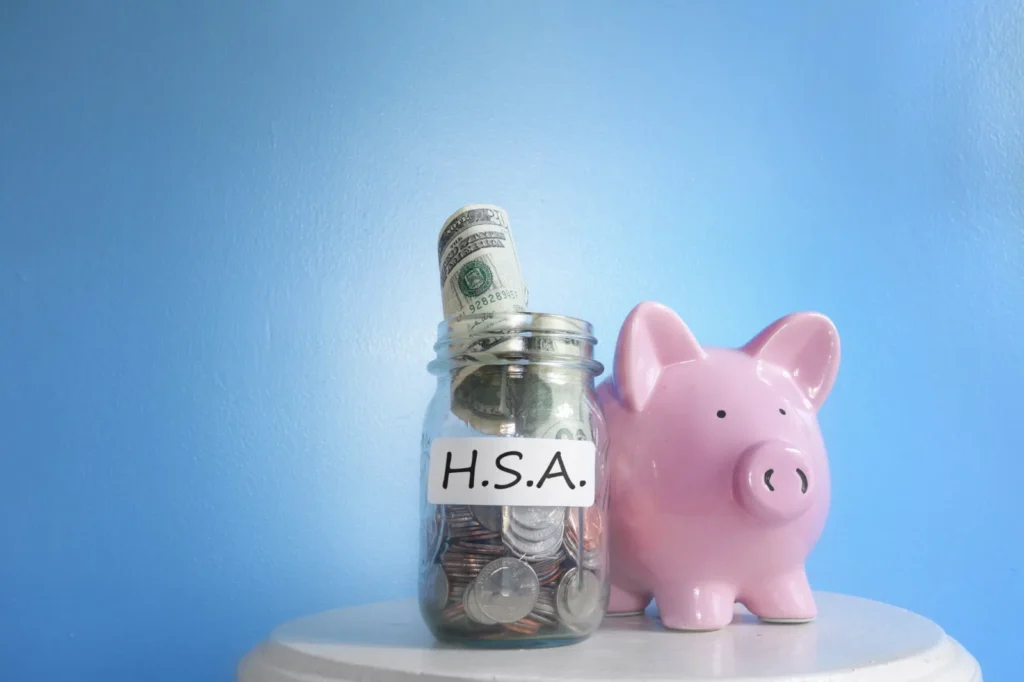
x=537, y=517
x=472, y=607
x=467, y=592
x=506, y=590
x=533, y=535
x=536, y=551
x=544, y=619
x=435, y=587
x=533, y=550
x=546, y=603
x=578, y=598
x=588, y=560
x=488, y=516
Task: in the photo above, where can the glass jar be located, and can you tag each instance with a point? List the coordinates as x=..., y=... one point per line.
x=513, y=550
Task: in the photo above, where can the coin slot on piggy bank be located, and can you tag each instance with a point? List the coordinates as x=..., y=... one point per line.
x=513, y=548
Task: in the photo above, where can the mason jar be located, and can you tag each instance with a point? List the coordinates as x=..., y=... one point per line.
x=513, y=550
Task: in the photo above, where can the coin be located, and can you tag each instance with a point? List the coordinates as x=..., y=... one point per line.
x=547, y=570
x=489, y=517
x=462, y=572
x=482, y=549
x=435, y=587
x=578, y=597
x=537, y=518
x=454, y=612
x=531, y=535
x=591, y=555
x=506, y=590
x=526, y=626
x=545, y=609
x=533, y=550
x=472, y=607
x=592, y=526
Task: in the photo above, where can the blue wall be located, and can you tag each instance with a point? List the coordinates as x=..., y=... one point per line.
x=218, y=288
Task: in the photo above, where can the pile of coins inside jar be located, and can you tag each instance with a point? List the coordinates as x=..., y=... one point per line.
x=525, y=570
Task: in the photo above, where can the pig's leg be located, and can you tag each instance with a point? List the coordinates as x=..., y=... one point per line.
x=705, y=606
x=782, y=599
x=623, y=603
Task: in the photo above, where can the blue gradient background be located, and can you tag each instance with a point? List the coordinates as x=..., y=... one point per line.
x=218, y=291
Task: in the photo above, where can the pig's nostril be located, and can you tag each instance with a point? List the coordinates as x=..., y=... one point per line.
x=803, y=480
x=768, y=479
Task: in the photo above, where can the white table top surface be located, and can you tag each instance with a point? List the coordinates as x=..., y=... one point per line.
x=852, y=639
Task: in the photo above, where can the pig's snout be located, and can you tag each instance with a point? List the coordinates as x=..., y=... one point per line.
x=774, y=481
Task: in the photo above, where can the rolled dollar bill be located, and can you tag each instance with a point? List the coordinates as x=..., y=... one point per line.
x=478, y=263
x=481, y=278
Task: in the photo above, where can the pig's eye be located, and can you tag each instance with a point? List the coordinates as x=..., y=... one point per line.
x=721, y=414
x=782, y=411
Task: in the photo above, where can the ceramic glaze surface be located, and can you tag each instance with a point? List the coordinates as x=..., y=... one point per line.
x=720, y=478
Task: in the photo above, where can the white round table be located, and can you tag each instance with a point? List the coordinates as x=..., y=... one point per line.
x=852, y=639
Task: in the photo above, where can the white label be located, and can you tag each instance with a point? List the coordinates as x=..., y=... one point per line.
x=512, y=472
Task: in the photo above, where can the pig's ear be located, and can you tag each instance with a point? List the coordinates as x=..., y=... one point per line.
x=806, y=345
x=652, y=338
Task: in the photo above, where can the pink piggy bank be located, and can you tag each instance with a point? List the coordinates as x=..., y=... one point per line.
x=719, y=476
